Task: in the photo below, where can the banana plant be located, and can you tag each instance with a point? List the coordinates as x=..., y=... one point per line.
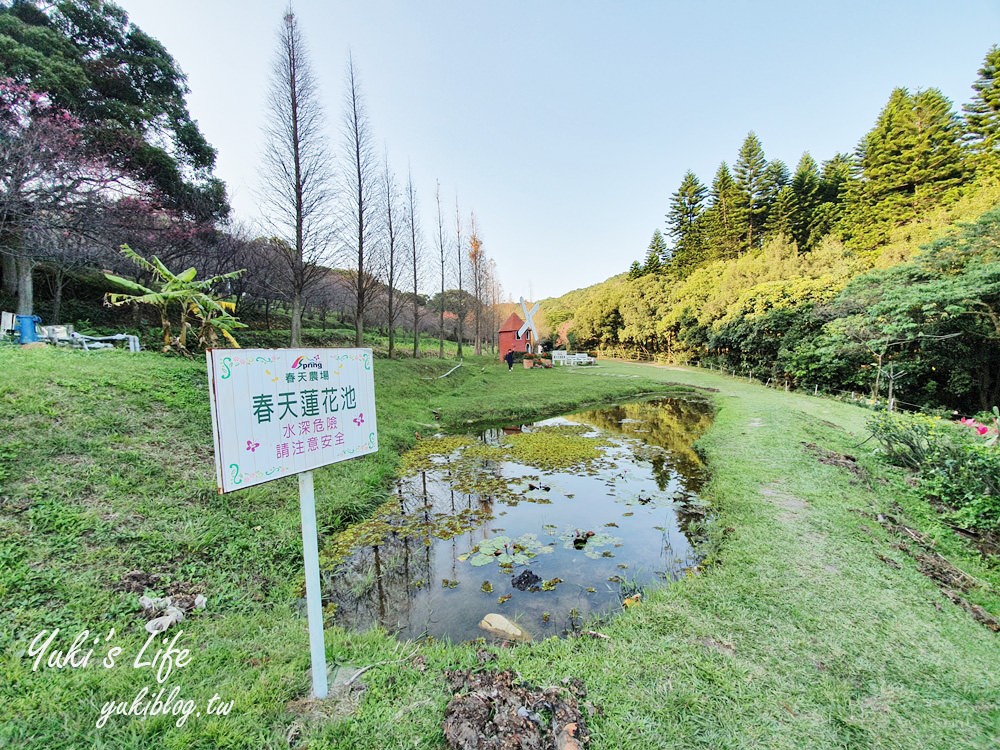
x=194, y=299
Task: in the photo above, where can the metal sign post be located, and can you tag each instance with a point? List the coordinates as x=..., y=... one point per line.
x=314, y=596
x=278, y=412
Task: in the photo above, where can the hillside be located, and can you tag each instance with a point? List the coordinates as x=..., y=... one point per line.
x=796, y=317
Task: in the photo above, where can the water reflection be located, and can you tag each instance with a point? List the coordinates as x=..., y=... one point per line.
x=449, y=547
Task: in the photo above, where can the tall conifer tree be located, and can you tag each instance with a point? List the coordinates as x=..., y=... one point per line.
x=656, y=253
x=833, y=183
x=687, y=206
x=749, y=175
x=938, y=158
x=724, y=220
x=775, y=178
x=905, y=164
x=806, y=197
x=780, y=214
x=982, y=114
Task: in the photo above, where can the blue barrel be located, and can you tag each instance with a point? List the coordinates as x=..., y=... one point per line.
x=26, y=330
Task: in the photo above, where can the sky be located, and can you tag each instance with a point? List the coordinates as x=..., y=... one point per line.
x=566, y=125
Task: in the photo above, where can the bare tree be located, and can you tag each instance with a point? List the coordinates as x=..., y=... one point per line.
x=441, y=252
x=298, y=171
x=460, y=263
x=361, y=203
x=67, y=252
x=477, y=265
x=415, y=255
x=495, y=292
x=391, y=217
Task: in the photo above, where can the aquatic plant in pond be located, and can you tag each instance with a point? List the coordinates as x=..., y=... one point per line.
x=543, y=523
x=592, y=544
x=506, y=551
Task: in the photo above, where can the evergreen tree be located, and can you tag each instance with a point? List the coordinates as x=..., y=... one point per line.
x=938, y=159
x=724, y=225
x=833, y=179
x=982, y=114
x=833, y=186
x=906, y=163
x=776, y=177
x=749, y=172
x=683, y=225
x=806, y=197
x=635, y=270
x=781, y=214
x=656, y=253
x=879, y=194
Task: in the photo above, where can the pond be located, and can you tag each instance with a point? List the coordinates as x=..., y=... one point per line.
x=548, y=525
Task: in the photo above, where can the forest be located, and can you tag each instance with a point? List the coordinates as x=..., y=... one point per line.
x=872, y=272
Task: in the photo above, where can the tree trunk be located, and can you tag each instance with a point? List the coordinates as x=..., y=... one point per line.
x=57, y=295
x=25, y=285
x=165, y=327
x=478, y=309
x=392, y=327
x=9, y=274
x=296, y=339
x=416, y=328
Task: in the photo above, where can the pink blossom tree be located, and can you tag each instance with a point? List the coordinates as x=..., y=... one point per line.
x=48, y=180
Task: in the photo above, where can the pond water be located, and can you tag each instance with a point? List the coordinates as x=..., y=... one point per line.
x=548, y=525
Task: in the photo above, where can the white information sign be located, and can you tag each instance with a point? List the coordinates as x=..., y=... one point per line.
x=278, y=412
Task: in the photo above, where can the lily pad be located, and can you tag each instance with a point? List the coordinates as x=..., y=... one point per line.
x=506, y=551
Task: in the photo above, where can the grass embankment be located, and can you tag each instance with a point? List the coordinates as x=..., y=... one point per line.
x=798, y=635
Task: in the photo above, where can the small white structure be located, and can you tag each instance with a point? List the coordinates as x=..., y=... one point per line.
x=560, y=357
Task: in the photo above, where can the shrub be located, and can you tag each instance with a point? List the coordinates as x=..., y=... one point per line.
x=965, y=475
x=906, y=440
x=955, y=465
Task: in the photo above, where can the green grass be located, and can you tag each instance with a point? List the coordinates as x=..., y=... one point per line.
x=795, y=635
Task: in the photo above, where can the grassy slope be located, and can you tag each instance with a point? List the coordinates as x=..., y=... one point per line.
x=798, y=636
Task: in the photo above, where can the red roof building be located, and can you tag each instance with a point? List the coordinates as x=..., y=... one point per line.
x=509, y=338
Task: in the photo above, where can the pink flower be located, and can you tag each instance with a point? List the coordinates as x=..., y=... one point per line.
x=982, y=429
